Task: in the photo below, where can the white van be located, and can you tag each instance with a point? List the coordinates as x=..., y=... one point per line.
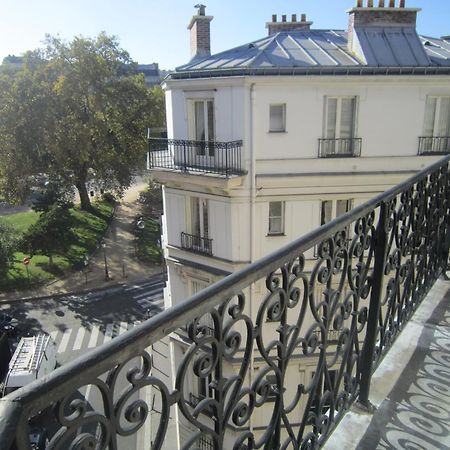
x=34, y=357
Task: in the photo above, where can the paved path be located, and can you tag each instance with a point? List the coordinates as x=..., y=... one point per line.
x=123, y=265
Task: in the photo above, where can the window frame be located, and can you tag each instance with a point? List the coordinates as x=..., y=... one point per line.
x=437, y=116
x=338, y=130
x=202, y=212
x=280, y=232
x=282, y=128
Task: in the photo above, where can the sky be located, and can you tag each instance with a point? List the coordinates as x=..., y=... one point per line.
x=156, y=31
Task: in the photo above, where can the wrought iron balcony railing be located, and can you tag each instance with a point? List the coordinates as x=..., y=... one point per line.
x=196, y=244
x=222, y=158
x=434, y=145
x=266, y=319
x=340, y=147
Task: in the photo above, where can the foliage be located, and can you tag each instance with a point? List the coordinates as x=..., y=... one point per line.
x=50, y=234
x=151, y=201
x=8, y=245
x=78, y=111
x=88, y=227
x=50, y=193
x=148, y=241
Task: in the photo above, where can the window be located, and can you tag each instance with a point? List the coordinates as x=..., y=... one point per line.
x=340, y=127
x=436, y=137
x=330, y=209
x=276, y=217
x=199, y=221
x=341, y=114
x=437, y=116
x=277, y=118
x=202, y=126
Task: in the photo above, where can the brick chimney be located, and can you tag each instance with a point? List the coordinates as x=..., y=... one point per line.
x=388, y=13
x=284, y=25
x=200, y=33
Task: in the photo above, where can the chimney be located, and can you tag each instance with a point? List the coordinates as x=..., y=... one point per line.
x=366, y=14
x=200, y=33
x=294, y=25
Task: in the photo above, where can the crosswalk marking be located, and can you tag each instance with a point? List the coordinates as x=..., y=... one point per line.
x=79, y=338
x=94, y=336
x=64, y=341
x=108, y=332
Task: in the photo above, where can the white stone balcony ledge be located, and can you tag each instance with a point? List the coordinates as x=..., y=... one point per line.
x=410, y=388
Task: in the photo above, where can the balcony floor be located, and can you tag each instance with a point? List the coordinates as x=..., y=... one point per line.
x=410, y=388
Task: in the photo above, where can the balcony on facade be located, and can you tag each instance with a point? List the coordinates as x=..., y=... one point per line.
x=221, y=158
x=434, y=145
x=274, y=354
x=339, y=147
x=196, y=244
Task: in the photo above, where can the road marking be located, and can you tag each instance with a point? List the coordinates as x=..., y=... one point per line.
x=123, y=327
x=94, y=336
x=108, y=332
x=79, y=338
x=53, y=335
x=64, y=341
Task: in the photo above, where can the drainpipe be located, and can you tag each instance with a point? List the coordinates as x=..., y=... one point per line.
x=252, y=223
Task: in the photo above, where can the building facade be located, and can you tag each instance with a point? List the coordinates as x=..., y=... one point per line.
x=272, y=139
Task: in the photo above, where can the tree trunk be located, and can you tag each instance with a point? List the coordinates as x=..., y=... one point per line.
x=84, y=196
x=50, y=260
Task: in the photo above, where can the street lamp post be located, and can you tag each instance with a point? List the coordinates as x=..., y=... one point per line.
x=106, y=262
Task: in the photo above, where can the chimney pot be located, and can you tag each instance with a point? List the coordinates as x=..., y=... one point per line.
x=381, y=4
x=359, y=3
x=303, y=17
x=391, y=3
x=283, y=18
x=294, y=17
x=201, y=9
x=199, y=27
x=402, y=4
x=370, y=3
x=274, y=17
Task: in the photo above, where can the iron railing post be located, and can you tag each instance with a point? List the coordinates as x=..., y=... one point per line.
x=226, y=159
x=367, y=354
x=184, y=157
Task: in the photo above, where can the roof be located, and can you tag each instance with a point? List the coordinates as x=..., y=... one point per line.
x=309, y=50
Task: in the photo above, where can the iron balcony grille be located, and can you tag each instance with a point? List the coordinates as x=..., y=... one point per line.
x=340, y=147
x=196, y=244
x=434, y=145
x=340, y=314
x=222, y=158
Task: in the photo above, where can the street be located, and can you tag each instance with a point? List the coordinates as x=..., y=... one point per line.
x=79, y=323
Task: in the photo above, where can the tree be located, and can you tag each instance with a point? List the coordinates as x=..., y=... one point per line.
x=50, y=235
x=78, y=111
x=8, y=245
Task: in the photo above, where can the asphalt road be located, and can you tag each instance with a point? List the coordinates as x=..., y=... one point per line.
x=78, y=324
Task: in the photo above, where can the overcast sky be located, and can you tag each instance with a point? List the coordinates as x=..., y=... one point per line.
x=156, y=31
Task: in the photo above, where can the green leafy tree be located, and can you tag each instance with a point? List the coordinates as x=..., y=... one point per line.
x=8, y=245
x=75, y=110
x=50, y=235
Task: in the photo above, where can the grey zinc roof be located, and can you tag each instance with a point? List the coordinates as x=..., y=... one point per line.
x=309, y=49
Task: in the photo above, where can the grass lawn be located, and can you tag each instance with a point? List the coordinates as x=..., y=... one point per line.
x=88, y=228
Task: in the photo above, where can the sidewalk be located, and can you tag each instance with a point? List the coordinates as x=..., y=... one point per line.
x=122, y=263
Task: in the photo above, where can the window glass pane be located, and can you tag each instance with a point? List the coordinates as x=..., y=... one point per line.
x=347, y=117
x=342, y=206
x=444, y=117
x=211, y=133
x=195, y=219
x=277, y=119
x=331, y=118
x=326, y=209
x=205, y=218
x=430, y=113
x=275, y=209
x=200, y=132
